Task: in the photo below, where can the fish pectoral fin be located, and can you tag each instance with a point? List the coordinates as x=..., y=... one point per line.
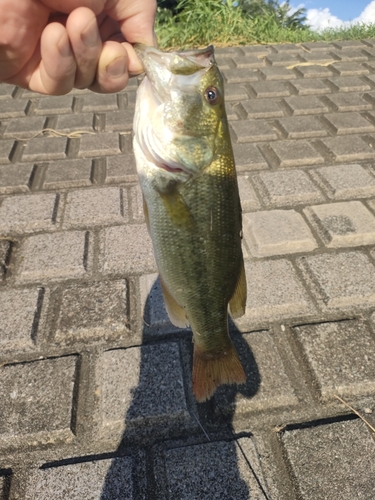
x=237, y=303
x=177, y=209
x=211, y=371
x=145, y=211
x=175, y=312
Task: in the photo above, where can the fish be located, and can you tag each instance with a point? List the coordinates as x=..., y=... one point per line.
x=187, y=174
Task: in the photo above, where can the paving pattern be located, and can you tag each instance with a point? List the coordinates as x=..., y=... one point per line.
x=95, y=382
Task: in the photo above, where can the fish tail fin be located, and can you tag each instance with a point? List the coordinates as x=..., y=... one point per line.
x=210, y=371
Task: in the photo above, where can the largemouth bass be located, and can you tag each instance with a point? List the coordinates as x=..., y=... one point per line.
x=192, y=207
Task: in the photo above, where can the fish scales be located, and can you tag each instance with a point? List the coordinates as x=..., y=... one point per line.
x=192, y=207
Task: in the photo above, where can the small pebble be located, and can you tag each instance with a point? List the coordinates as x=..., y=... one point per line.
x=367, y=410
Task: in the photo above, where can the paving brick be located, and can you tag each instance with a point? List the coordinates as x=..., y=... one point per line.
x=317, y=46
x=273, y=291
x=347, y=102
x=249, y=61
x=277, y=232
x=76, y=122
x=370, y=79
x=349, y=44
x=305, y=105
x=347, y=123
x=370, y=97
x=345, y=181
x=225, y=62
x=248, y=157
x=5, y=252
x=230, y=110
x=54, y=105
x=348, y=148
x=218, y=469
x=281, y=59
x=312, y=71
x=37, y=397
x=292, y=154
x=45, y=148
x=276, y=73
x=127, y=249
x=13, y=108
x=142, y=386
x=326, y=460
x=317, y=57
x=54, y=256
x=15, y=178
x=136, y=203
x=348, y=84
x=239, y=75
x=262, y=109
x=18, y=331
x=253, y=130
x=340, y=356
x=249, y=200
x=6, y=147
x=118, y=121
x=349, y=55
x=269, y=89
x=340, y=280
x=121, y=168
x=24, y=127
x=95, y=311
x=349, y=69
x=259, y=50
x=68, y=173
x=286, y=47
x=286, y=188
x=300, y=127
x=100, y=102
x=95, y=480
x=95, y=207
x=7, y=91
x=103, y=144
x=309, y=87
x=26, y=214
x=235, y=92
x=264, y=389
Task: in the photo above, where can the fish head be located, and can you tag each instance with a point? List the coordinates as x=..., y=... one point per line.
x=180, y=105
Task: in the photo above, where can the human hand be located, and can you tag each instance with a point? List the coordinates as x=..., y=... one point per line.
x=51, y=46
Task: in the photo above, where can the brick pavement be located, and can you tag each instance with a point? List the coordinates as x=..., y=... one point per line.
x=95, y=382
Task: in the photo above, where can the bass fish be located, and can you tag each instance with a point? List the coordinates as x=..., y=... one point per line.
x=192, y=207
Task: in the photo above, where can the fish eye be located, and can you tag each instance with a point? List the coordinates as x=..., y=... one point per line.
x=212, y=95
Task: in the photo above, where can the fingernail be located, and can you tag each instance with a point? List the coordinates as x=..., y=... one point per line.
x=90, y=36
x=117, y=67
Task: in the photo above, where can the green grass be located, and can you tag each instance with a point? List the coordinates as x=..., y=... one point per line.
x=202, y=22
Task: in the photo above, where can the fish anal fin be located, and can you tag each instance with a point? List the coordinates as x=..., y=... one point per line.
x=237, y=303
x=211, y=371
x=175, y=312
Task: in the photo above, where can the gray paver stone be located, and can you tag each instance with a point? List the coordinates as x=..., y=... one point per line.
x=37, y=396
x=269, y=89
x=262, y=109
x=214, y=470
x=54, y=105
x=95, y=311
x=99, y=102
x=54, y=256
x=327, y=460
x=6, y=147
x=351, y=148
x=346, y=224
x=248, y=157
x=25, y=214
x=310, y=87
x=299, y=127
x=45, y=148
x=13, y=108
x=277, y=73
x=345, y=181
x=24, y=127
x=68, y=173
x=286, y=188
x=127, y=249
x=253, y=130
x=121, y=169
x=292, y=153
x=305, y=105
x=95, y=480
x=349, y=69
x=341, y=280
x=15, y=178
x=118, y=121
x=95, y=207
x=348, y=84
x=277, y=232
x=106, y=143
x=19, y=330
x=79, y=122
x=347, y=123
x=341, y=356
x=249, y=200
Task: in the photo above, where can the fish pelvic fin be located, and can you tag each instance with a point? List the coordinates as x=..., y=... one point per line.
x=212, y=370
x=145, y=211
x=237, y=303
x=177, y=209
x=175, y=312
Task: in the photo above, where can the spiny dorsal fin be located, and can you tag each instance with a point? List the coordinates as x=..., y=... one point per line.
x=237, y=303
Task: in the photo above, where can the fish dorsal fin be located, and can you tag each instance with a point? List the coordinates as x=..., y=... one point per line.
x=175, y=312
x=237, y=303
